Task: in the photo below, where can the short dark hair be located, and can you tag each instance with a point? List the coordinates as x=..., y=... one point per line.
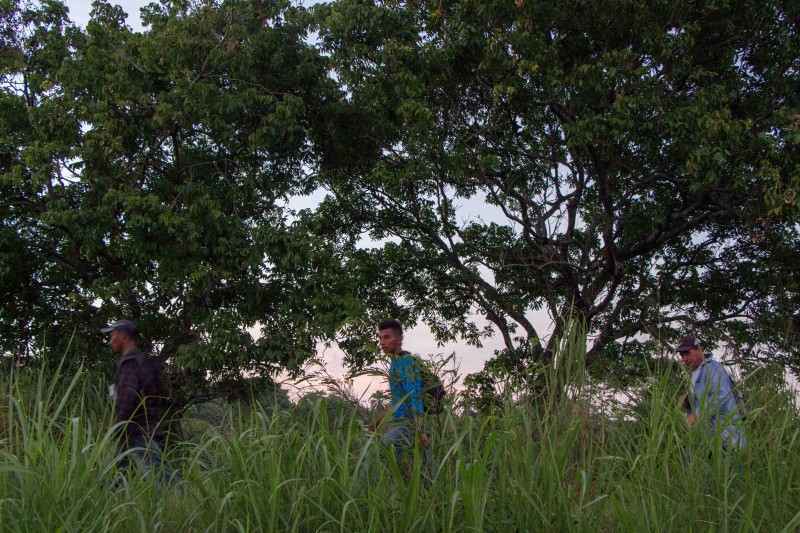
x=392, y=324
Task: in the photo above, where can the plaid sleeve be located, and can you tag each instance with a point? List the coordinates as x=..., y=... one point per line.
x=151, y=383
x=127, y=392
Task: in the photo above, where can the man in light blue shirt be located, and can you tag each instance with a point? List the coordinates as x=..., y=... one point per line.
x=407, y=412
x=712, y=395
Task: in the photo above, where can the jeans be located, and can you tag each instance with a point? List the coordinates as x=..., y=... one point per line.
x=145, y=454
x=400, y=441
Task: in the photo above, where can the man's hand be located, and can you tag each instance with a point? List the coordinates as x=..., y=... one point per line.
x=691, y=419
x=374, y=425
x=424, y=440
x=423, y=437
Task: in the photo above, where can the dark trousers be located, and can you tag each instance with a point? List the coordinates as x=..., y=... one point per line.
x=145, y=454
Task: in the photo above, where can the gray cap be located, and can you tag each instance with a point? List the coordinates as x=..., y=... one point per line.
x=687, y=343
x=122, y=325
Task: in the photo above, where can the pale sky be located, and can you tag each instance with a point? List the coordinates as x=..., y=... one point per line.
x=79, y=11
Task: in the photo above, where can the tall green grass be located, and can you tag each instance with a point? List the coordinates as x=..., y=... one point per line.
x=560, y=466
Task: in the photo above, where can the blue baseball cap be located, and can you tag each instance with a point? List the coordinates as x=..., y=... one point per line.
x=125, y=326
x=687, y=343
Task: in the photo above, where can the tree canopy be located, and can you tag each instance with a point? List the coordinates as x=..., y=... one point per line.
x=638, y=161
x=147, y=175
x=636, y=167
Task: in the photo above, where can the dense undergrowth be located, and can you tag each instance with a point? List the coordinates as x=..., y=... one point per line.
x=563, y=467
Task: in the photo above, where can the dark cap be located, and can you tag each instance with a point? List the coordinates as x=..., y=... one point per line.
x=122, y=325
x=687, y=343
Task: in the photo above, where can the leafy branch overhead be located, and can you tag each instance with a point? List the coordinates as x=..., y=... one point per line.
x=633, y=165
x=637, y=165
x=147, y=175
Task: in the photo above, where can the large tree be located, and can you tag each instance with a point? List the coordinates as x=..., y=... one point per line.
x=638, y=166
x=147, y=176
x=638, y=162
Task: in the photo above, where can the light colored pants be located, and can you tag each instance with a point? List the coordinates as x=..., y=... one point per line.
x=400, y=441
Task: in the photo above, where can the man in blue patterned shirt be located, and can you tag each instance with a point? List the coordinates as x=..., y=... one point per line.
x=712, y=395
x=407, y=412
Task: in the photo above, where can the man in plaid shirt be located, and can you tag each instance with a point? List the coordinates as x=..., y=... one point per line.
x=138, y=392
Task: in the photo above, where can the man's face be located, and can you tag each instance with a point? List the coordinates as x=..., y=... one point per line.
x=693, y=357
x=116, y=340
x=390, y=340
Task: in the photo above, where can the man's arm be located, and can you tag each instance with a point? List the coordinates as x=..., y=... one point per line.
x=725, y=386
x=726, y=399
x=714, y=383
x=127, y=392
x=150, y=381
x=413, y=386
x=716, y=393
